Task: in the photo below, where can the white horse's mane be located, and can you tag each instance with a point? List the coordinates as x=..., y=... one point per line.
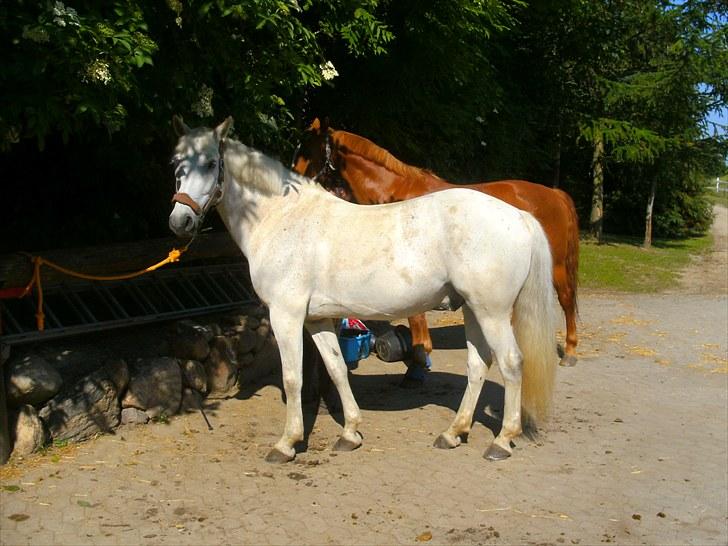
x=251, y=167
x=247, y=165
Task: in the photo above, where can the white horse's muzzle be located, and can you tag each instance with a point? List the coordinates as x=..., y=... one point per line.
x=183, y=220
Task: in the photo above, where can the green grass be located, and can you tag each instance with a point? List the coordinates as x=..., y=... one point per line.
x=620, y=264
x=717, y=198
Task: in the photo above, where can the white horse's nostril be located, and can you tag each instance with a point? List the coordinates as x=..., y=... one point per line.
x=189, y=223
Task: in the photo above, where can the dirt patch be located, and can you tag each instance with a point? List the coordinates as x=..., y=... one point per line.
x=708, y=273
x=634, y=452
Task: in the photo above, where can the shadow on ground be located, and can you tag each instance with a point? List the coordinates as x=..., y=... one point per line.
x=383, y=392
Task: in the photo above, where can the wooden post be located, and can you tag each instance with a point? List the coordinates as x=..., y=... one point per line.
x=4, y=431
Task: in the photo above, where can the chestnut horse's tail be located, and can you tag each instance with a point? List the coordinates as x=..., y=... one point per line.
x=534, y=324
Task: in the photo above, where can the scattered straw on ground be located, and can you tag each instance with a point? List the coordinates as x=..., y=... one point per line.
x=630, y=319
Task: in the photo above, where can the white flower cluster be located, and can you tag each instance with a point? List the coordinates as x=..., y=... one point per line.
x=98, y=71
x=63, y=16
x=328, y=70
x=203, y=106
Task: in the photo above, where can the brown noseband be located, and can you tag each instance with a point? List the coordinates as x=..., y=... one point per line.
x=187, y=200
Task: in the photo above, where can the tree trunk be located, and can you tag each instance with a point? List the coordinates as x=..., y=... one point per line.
x=597, y=210
x=648, y=216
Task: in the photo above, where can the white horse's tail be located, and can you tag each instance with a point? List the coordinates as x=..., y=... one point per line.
x=534, y=323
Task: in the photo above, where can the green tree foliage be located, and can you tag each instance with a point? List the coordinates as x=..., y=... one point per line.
x=65, y=69
x=472, y=89
x=632, y=78
x=427, y=98
x=89, y=91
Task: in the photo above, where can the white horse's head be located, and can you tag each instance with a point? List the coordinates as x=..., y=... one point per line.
x=199, y=174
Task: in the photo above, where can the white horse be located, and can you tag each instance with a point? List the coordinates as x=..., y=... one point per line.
x=314, y=257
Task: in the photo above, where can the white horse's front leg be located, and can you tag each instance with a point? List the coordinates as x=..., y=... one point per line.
x=288, y=331
x=328, y=345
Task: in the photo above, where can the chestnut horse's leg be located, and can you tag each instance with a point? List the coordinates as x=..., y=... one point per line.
x=421, y=340
x=567, y=300
x=565, y=251
x=421, y=348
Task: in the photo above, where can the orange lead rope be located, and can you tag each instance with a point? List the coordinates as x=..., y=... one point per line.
x=36, y=279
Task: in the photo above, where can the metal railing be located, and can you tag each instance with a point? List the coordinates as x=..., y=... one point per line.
x=84, y=306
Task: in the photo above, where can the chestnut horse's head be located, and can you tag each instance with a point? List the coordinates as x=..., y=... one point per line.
x=313, y=154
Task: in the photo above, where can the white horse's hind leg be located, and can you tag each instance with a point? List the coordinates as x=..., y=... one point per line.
x=288, y=331
x=328, y=345
x=499, y=333
x=478, y=356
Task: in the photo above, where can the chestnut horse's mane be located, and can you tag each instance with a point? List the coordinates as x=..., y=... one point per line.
x=366, y=148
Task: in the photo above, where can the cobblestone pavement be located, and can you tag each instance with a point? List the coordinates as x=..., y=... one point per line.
x=634, y=453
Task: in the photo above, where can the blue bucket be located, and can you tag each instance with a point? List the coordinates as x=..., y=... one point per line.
x=354, y=345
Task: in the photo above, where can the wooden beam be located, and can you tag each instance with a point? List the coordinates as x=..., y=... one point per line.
x=4, y=432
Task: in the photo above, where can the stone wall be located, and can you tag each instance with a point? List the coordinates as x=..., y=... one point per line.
x=210, y=358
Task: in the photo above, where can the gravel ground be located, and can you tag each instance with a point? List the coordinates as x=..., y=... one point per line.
x=634, y=453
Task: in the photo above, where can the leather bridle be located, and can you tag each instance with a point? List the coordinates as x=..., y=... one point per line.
x=328, y=165
x=215, y=197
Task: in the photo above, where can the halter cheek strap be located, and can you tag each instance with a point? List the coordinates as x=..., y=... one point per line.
x=328, y=164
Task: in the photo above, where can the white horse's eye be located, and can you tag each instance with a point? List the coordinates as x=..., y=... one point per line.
x=211, y=164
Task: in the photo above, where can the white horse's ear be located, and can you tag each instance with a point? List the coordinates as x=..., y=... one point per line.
x=222, y=130
x=179, y=126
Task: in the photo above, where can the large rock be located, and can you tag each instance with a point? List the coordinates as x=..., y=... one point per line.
x=194, y=375
x=117, y=370
x=87, y=407
x=221, y=368
x=264, y=332
x=246, y=342
x=31, y=380
x=134, y=416
x=155, y=387
x=266, y=361
x=191, y=341
x=28, y=432
x=241, y=321
x=191, y=401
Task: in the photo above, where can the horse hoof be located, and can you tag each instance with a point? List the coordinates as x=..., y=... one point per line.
x=568, y=361
x=344, y=444
x=496, y=453
x=277, y=457
x=443, y=442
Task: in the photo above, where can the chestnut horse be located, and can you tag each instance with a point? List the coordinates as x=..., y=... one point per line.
x=371, y=175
